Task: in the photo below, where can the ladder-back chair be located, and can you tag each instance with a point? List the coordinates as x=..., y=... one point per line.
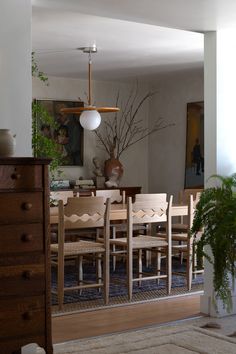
x=150, y=210
x=82, y=213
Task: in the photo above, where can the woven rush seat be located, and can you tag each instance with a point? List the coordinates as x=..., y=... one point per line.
x=175, y=236
x=77, y=248
x=122, y=227
x=179, y=227
x=142, y=241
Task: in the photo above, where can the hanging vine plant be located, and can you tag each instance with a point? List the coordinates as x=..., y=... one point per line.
x=216, y=216
x=44, y=146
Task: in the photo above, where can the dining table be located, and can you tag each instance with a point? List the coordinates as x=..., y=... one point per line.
x=119, y=212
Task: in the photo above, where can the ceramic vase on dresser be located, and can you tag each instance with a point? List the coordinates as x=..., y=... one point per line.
x=7, y=143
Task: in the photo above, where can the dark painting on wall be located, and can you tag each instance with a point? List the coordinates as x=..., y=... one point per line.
x=68, y=134
x=194, y=166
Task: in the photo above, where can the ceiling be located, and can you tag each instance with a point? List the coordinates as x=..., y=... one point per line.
x=135, y=39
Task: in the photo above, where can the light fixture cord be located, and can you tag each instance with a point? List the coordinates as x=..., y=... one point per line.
x=89, y=79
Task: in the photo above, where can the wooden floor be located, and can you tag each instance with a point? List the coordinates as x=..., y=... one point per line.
x=116, y=319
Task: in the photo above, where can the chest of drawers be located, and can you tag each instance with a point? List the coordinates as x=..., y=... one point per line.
x=25, y=315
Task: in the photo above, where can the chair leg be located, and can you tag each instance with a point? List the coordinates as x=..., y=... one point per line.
x=148, y=231
x=194, y=263
x=169, y=268
x=140, y=266
x=113, y=248
x=106, y=276
x=60, y=282
x=130, y=273
x=158, y=265
x=99, y=270
x=81, y=275
x=189, y=267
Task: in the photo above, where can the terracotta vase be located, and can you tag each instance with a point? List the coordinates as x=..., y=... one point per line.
x=7, y=143
x=113, y=170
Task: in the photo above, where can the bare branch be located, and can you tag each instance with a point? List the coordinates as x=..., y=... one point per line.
x=126, y=128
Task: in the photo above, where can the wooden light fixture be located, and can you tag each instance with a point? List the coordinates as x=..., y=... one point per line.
x=90, y=118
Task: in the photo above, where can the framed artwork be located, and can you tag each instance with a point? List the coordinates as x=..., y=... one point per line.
x=194, y=165
x=67, y=132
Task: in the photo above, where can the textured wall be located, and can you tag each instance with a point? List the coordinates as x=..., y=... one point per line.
x=167, y=148
x=15, y=72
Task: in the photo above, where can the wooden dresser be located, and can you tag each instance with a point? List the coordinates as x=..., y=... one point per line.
x=25, y=315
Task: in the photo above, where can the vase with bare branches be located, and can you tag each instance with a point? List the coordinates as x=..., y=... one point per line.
x=118, y=133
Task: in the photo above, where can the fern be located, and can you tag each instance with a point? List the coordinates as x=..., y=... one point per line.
x=216, y=216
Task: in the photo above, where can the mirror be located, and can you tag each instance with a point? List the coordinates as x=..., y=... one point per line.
x=194, y=165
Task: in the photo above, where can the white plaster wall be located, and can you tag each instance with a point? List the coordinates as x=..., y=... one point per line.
x=167, y=147
x=134, y=160
x=15, y=72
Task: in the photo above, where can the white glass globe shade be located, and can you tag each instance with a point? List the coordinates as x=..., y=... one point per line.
x=90, y=120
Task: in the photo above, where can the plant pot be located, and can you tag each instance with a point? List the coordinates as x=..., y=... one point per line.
x=113, y=170
x=7, y=143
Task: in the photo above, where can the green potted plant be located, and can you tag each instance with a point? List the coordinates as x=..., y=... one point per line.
x=215, y=217
x=42, y=144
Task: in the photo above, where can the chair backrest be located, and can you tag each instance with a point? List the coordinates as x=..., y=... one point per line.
x=191, y=210
x=84, y=212
x=155, y=197
x=185, y=193
x=55, y=196
x=184, y=196
x=150, y=210
x=80, y=213
x=114, y=195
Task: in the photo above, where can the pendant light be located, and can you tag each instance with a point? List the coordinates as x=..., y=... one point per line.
x=90, y=118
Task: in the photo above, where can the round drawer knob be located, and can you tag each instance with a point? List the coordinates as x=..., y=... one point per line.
x=26, y=237
x=15, y=176
x=27, y=206
x=27, y=315
x=27, y=274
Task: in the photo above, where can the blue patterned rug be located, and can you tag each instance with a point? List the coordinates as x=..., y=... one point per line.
x=117, y=282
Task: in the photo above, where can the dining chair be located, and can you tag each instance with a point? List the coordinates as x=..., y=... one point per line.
x=55, y=196
x=151, y=210
x=147, y=228
x=182, y=244
x=82, y=213
x=183, y=225
x=184, y=194
x=115, y=196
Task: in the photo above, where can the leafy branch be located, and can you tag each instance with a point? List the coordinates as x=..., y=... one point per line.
x=126, y=128
x=44, y=146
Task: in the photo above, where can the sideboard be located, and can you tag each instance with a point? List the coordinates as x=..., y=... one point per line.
x=25, y=307
x=129, y=191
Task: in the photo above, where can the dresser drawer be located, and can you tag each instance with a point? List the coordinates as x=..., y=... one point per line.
x=20, y=177
x=21, y=238
x=22, y=279
x=21, y=207
x=23, y=316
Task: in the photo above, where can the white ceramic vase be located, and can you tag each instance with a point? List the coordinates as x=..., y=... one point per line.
x=7, y=143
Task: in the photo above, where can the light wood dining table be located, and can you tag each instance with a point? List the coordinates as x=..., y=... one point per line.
x=119, y=212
